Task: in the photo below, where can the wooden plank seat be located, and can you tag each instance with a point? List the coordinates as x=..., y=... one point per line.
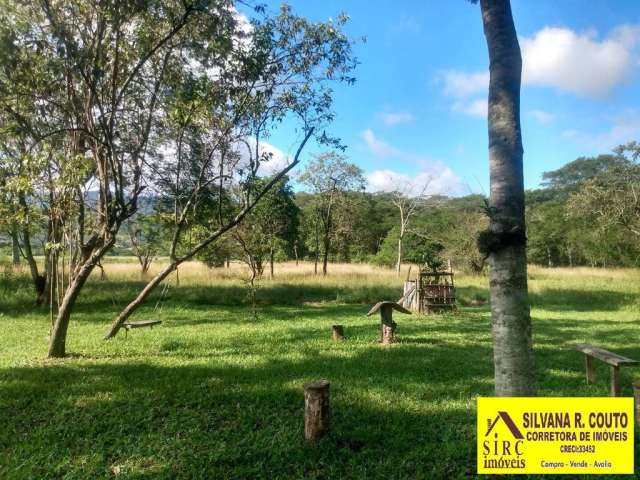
x=614, y=361
x=140, y=324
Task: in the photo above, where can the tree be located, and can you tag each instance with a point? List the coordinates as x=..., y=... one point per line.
x=253, y=250
x=546, y=232
x=505, y=240
x=573, y=221
x=407, y=203
x=456, y=224
x=105, y=67
x=330, y=176
x=25, y=196
x=280, y=72
x=571, y=176
x=278, y=216
x=309, y=242
x=146, y=233
x=612, y=198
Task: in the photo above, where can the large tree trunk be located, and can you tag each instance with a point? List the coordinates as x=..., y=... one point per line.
x=57, y=342
x=511, y=321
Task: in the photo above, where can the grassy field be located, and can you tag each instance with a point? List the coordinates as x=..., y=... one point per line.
x=215, y=393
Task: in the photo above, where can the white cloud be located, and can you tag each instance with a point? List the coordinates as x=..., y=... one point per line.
x=377, y=146
x=277, y=162
x=560, y=58
x=462, y=85
x=434, y=173
x=394, y=118
x=437, y=180
x=578, y=62
x=474, y=108
x=541, y=116
x=464, y=88
x=623, y=129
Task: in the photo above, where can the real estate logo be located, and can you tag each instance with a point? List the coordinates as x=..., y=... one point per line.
x=555, y=435
x=503, y=451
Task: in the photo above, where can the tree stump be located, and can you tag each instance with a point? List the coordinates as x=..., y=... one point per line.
x=388, y=326
x=317, y=412
x=337, y=333
x=636, y=401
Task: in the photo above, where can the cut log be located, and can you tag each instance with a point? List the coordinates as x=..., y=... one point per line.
x=317, y=411
x=337, y=333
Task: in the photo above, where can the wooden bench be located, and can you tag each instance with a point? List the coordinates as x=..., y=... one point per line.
x=614, y=360
x=141, y=324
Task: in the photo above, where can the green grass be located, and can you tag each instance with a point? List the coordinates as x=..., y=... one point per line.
x=214, y=393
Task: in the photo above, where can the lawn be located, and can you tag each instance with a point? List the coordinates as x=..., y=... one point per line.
x=215, y=393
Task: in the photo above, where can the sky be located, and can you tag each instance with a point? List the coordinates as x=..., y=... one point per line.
x=416, y=115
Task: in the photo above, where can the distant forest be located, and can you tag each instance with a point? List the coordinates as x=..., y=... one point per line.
x=586, y=213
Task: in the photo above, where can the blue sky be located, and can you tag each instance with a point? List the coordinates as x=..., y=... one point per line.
x=417, y=112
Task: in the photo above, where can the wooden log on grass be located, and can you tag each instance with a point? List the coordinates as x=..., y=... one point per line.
x=317, y=411
x=337, y=333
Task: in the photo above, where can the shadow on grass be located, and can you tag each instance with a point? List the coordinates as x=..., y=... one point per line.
x=146, y=420
x=195, y=407
x=580, y=300
x=83, y=420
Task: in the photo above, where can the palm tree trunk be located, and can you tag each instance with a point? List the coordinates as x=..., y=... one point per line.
x=511, y=321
